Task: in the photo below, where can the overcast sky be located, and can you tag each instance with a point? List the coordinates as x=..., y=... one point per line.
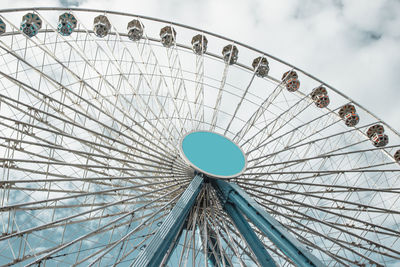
x=353, y=45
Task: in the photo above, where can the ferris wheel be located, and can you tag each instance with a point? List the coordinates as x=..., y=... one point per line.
x=134, y=141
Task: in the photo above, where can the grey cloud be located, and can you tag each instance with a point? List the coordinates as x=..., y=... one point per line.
x=71, y=3
x=350, y=44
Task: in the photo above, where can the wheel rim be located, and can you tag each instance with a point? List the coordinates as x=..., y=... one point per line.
x=90, y=129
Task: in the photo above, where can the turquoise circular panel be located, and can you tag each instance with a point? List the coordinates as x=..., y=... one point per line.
x=213, y=154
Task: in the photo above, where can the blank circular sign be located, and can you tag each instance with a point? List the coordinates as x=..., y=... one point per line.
x=213, y=154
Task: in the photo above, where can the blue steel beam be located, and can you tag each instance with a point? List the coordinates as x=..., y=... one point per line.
x=232, y=194
x=263, y=257
x=154, y=253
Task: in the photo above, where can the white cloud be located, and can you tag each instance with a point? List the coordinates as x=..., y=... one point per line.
x=351, y=45
x=357, y=37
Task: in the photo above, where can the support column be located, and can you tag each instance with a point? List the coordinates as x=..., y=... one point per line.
x=154, y=253
x=263, y=257
x=232, y=195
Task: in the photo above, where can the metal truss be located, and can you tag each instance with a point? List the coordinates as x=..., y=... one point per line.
x=90, y=170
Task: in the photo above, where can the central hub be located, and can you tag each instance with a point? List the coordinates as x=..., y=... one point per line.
x=213, y=154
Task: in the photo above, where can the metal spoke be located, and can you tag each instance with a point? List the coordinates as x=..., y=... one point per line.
x=93, y=121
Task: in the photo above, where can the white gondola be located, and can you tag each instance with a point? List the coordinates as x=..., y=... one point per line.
x=66, y=24
x=349, y=115
x=261, y=66
x=31, y=24
x=2, y=27
x=102, y=26
x=168, y=36
x=199, y=44
x=135, y=30
x=230, y=54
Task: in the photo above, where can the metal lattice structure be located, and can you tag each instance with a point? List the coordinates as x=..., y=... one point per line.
x=93, y=108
